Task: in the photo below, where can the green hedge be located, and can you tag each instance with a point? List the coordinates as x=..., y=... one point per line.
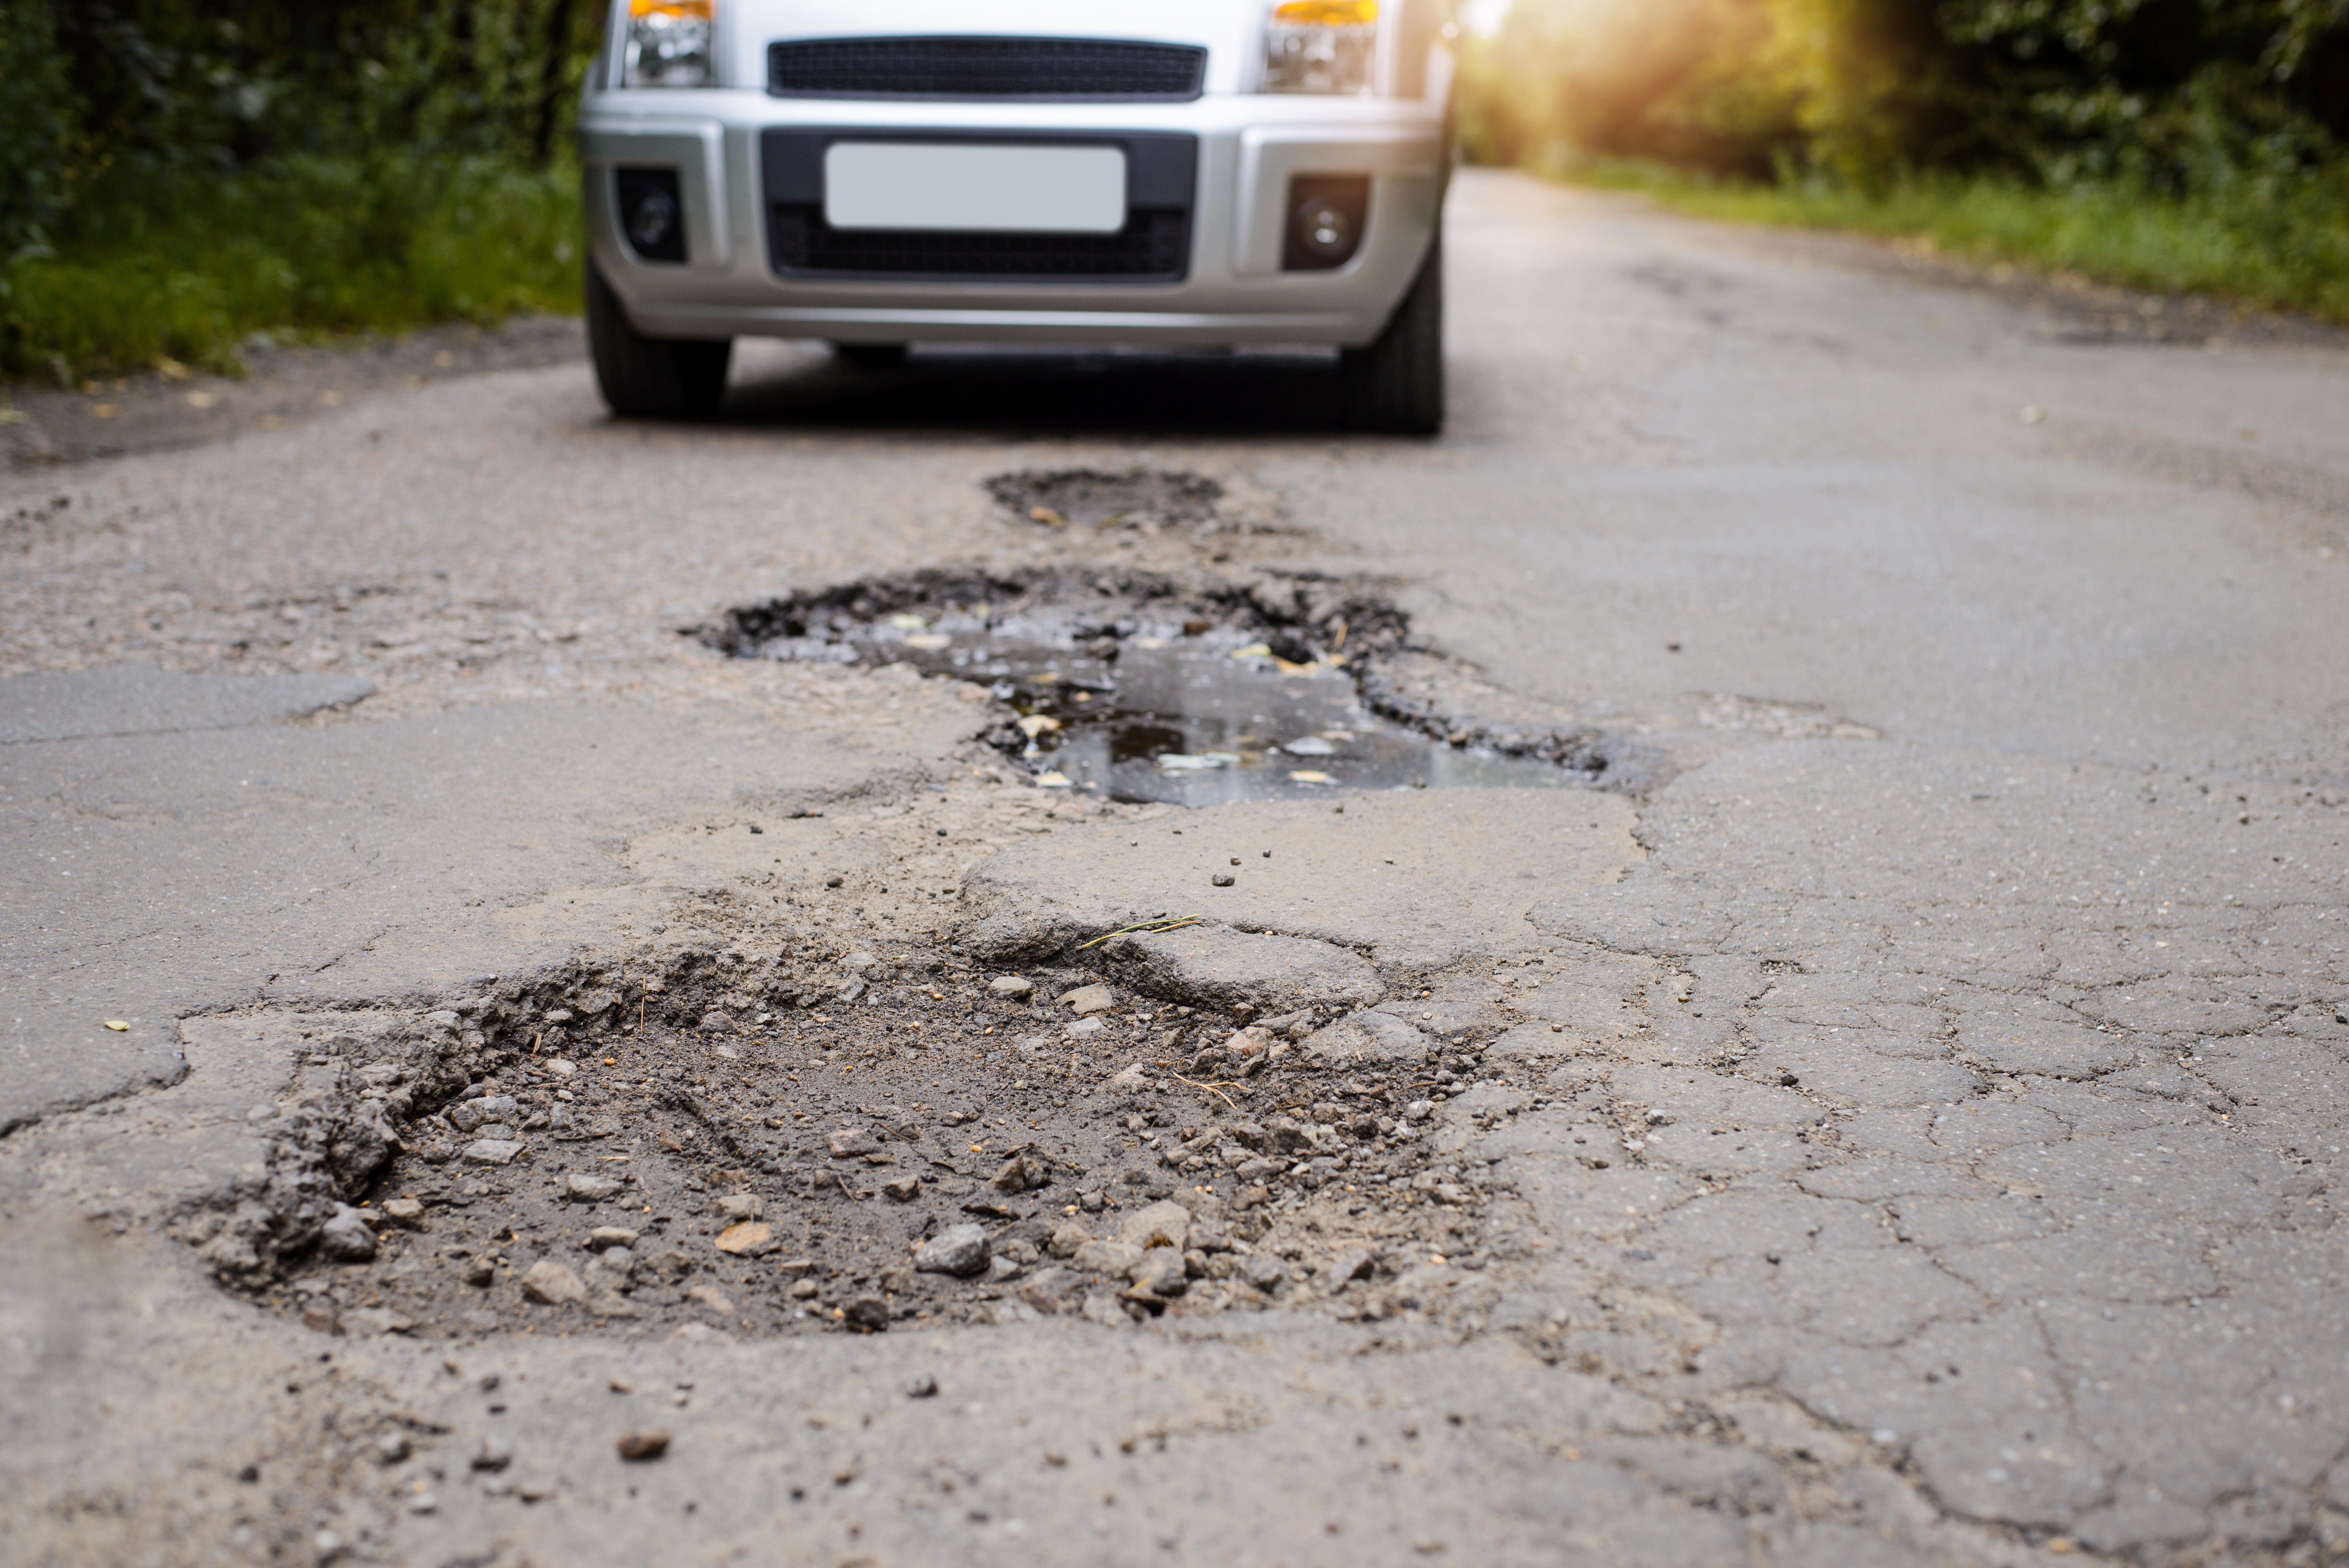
x=2284, y=249
x=304, y=246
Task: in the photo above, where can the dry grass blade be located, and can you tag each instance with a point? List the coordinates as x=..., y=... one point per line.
x=1213, y=1089
x=1173, y=923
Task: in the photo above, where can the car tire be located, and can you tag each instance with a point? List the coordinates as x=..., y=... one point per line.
x=870, y=356
x=652, y=377
x=1395, y=386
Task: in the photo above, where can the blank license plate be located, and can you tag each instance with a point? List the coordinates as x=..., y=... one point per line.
x=974, y=187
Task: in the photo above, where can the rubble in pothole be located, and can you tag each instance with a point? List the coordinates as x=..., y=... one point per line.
x=746, y=1148
x=1142, y=687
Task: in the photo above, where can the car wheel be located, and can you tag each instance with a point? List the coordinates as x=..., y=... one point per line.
x=1396, y=385
x=870, y=356
x=652, y=377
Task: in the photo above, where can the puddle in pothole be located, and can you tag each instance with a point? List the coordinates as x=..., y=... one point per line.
x=1132, y=687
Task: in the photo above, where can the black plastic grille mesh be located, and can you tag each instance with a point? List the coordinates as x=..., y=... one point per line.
x=1153, y=245
x=1095, y=69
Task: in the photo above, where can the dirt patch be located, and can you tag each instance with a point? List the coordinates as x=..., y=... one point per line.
x=1142, y=499
x=750, y=1151
x=173, y=407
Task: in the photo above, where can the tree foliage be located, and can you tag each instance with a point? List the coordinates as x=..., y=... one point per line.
x=2187, y=96
x=114, y=104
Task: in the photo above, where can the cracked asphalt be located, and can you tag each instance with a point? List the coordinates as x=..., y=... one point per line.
x=1898, y=1122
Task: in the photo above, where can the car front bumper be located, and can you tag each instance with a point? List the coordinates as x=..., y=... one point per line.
x=1232, y=290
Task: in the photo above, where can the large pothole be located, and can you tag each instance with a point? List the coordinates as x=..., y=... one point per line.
x=751, y=1150
x=1139, y=688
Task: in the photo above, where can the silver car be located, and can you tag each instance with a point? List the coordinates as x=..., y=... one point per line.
x=1080, y=171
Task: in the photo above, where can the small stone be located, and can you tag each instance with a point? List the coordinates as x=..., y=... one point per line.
x=586, y=1189
x=1092, y=1202
x=1011, y=987
x=805, y=1290
x=902, y=1189
x=851, y=1142
x=797, y=1266
x=405, y=1213
x=1000, y=1268
x=1053, y=1290
x=925, y=1386
x=717, y=1022
x=550, y=1283
x=710, y=1296
x=868, y=1314
x=648, y=1444
x=620, y=1260
x=1020, y=1173
x=1088, y=1000
x=1419, y=1110
x=1082, y=1028
x=368, y=1322
x=1265, y=1272
x=742, y=1206
x=1159, y=1271
x=471, y=1115
x=748, y=1238
x=1066, y=1237
x=1221, y=879
x=1345, y=1268
x=392, y=1447
x=1107, y=1257
x=481, y=1274
x=496, y=1453
x=347, y=1237
x=603, y=1237
x=960, y=1250
x=1130, y=1080
x=1165, y=1223
x=492, y=1152
x=560, y=1068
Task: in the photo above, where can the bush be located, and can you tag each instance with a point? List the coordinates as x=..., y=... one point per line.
x=300, y=246
x=176, y=175
x=2282, y=249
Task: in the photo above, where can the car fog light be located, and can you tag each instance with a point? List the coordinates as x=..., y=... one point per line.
x=651, y=215
x=1325, y=213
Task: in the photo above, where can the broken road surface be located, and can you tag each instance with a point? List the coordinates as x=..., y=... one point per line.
x=558, y=1008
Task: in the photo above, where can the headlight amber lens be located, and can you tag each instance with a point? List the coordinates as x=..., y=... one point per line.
x=1322, y=46
x=668, y=43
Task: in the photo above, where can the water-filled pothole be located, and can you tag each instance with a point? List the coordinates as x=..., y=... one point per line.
x=1138, y=688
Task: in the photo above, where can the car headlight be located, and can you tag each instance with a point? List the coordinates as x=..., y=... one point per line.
x=1322, y=46
x=668, y=43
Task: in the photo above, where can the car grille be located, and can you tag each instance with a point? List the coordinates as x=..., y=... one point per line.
x=1097, y=70
x=1152, y=246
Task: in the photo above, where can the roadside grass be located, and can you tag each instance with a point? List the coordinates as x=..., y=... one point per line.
x=193, y=268
x=2283, y=248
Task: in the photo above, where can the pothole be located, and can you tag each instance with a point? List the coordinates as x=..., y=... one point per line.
x=1136, y=687
x=1145, y=500
x=806, y=1163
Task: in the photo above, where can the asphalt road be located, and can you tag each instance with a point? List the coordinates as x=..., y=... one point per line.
x=1954, y=982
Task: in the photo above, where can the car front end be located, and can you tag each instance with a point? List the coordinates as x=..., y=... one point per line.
x=1221, y=172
